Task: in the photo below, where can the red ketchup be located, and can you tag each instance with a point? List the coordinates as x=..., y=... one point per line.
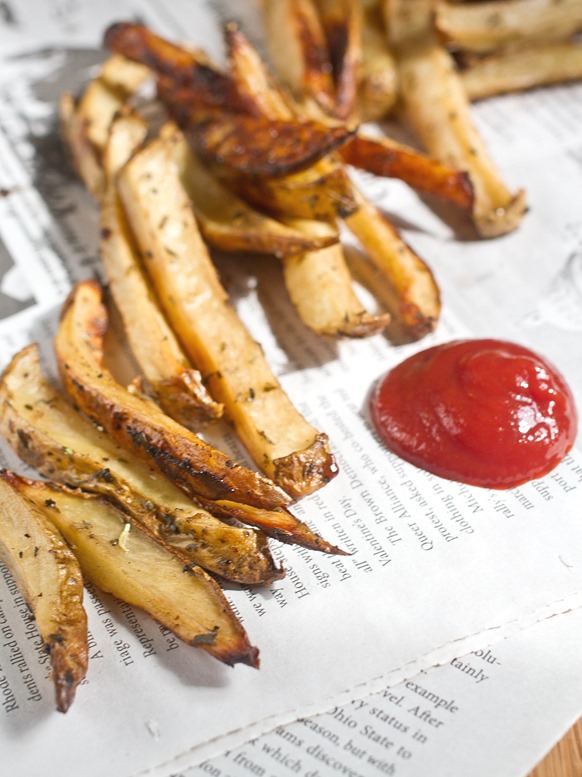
x=483, y=412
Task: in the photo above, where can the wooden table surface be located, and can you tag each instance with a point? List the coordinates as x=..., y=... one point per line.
x=565, y=759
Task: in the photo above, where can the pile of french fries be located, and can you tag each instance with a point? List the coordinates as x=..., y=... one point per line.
x=238, y=160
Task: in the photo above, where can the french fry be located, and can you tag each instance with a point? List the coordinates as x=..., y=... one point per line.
x=406, y=20
x=256, y=145
x=171, y=381
x=222, y=124
x=378, y=84
x=385, y=157
x=84, y=156
x=136, y=423
x=436, y=107
x=323, y=192
x=278, y=438
x=51, y=436
x=253, y=79
x=485, y=26
x=342, y=24
x=320, y=286
x=416, y=295
x=280, y=525
x=230, y=224
x=49, y=578
x=298, y=50
x=517, y=69
x=128, y=564
x=85, y=122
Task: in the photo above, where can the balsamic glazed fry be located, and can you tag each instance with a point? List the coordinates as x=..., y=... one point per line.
x=49, y=578
x=51, y=436
x=129, y=565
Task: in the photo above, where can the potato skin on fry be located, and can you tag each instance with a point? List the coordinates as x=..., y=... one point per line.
x=186, y=601
x=51, y=436
x=195, y=302
x=385, y=157
x=138, y=425
x=50, y=580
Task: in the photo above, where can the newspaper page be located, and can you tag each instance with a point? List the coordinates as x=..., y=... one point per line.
x=436, y=570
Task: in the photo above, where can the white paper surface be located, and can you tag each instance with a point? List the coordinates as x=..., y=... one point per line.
x=437, y=569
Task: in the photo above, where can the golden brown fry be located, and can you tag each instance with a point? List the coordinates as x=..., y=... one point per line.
x=280, y=525
x=342, y=24
x=229, y=224
x=378, y=86
x=298, y=50
x=85, y=123
x=406, y=20
x=84, y=156
x=279, y=439
x=136, y=423
x=49, y=435
x=320, y=286
x=321, y=193
x=485, y=26
x=385, y=157
x=50, y=580
x=171, y=381
x=253, y=79
x=416, y=297
x=436, y=107
x=256, y=145
x=128, y=564
x=528, y=67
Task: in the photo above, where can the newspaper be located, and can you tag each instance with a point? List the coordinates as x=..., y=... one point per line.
x=439, y=573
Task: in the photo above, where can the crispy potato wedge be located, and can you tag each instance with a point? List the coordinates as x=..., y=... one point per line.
x=253, y=79
x=298, y=50
x=85, y=122
x=175, y=386
x=416, y=296
x=319, y=284
x=436, y=107
x=280, y=525
x=256, y=145
x=342, y=24
x=129, y=565
x=323, y=192
x=229, y=224
x=406, y=20
x=385, y=157
x=136, y=423
x=378, y=83
x=516, y=70
x=485, y=26
x=51, y=436
x=278, y=438
x=50, y=580
x=84, y=157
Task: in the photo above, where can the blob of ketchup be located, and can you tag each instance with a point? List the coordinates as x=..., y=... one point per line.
x=484, y=412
